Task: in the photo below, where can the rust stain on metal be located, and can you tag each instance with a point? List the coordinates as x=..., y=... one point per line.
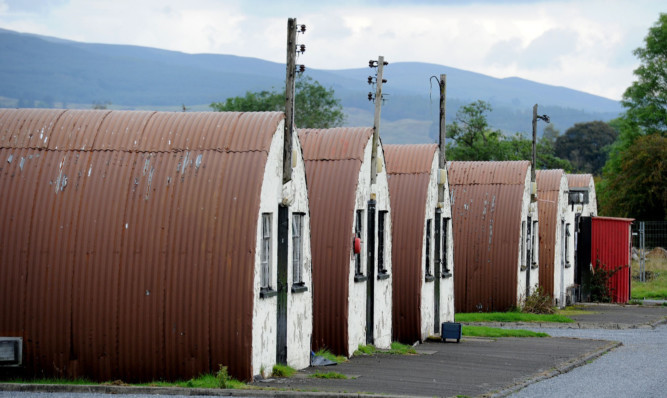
x=409, y=173
x=486, y=202
x=548, y=191
x=117, y=266
x=333, y=159
x=578, y=180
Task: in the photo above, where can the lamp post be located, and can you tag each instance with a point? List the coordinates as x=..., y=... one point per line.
x=546, y=119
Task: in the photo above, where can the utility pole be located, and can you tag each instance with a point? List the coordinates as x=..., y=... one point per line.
x=380, y=63
x=289, y=100
x=442, y=159
x=533, y=188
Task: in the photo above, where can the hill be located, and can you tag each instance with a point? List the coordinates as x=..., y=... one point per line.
x=45, y=71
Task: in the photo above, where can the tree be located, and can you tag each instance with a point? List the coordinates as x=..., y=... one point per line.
x=586, y=146
x=473, y=138
x=646, y=98
x=646, y=115
x=639, y=190
x=314, y=105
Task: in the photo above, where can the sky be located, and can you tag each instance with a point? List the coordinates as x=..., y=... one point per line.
x=585, y=45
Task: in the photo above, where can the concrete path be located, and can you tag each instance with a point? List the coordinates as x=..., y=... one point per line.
x=473, y=367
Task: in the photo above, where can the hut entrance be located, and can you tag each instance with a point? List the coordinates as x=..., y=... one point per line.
x=529, y=256
x=370, y=267
x=283, y=239
x=437, y=271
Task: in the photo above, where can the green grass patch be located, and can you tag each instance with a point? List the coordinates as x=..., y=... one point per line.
x=575, y=310
x=485, y=331
x=328, y=375
x=282, y=371
x=401, y=349
x=324, y=353
x=510, y=317
x=365, y=350
x=656, y=287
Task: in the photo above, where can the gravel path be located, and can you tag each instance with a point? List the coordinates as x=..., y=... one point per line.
x=636, y=369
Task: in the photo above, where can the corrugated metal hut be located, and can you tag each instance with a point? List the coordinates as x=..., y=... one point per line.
x=422, y=256
x=556, y=252
x=351, y=244
x=583, y=203
x=584, y=184
x=495, y=256
x=611, y=249
x=145, y=245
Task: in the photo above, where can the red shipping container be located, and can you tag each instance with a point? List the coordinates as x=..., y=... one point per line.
x=611, y=248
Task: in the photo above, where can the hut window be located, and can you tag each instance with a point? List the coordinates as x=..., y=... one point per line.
x=428, y=248
x=358, y=227
x=533, y=245
x=567, y=246
x=445, y=258
x=382, y=270
x=266, y=250
x=523, y=246
x=297, y=248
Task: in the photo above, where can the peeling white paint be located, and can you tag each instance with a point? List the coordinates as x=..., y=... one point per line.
x=198, y=160
x=10, y=158
x=299, y=310
x=383, y=288
x=527, y=209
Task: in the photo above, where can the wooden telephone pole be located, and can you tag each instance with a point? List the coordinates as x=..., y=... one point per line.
x=442, y=159
x=376, y=119
x=289, y=100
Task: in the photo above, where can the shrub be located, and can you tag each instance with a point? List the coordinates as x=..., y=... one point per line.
x=538, y=302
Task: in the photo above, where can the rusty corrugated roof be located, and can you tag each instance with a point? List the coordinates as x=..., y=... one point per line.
x=486, y=222
x=131, y=235
x=409, y=173
x=548, y=194
x=333, y=160
x=578, y=180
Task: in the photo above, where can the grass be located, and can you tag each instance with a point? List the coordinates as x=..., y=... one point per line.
x=401, y=349
x=328, y=375
x=283, y=371
x=656, y=288
x=203, y=381
x=574, y=310
x=510, y=317
x=485, y=331
x=365, y=350
x=324, y=353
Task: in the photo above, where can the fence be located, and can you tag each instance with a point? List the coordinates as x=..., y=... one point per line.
x=649, y=239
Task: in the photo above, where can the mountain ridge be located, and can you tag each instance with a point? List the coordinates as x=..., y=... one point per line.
x=46, y=71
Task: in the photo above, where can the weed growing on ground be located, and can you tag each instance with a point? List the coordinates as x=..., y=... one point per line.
x=324, y=353
x=485, y=331
x=365, y=350
x=283, y=371
x=599, y=284
x=401, y=349
x=328, y=375
x=510, y=317
x=538, y=302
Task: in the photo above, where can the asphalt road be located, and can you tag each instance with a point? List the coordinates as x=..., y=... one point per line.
x=636, y=369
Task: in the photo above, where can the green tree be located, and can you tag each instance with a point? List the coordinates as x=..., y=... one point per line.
x=314, y=105
x=639, y=190
x=586, y=146
x=646, y=115
x=646, y=98
x=474, y=139
x=472, y=136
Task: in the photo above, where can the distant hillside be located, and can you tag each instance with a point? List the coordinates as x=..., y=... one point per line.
x=44, y=71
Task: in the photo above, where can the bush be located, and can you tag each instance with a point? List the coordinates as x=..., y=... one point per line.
x=538, y=303
x=600, y=291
